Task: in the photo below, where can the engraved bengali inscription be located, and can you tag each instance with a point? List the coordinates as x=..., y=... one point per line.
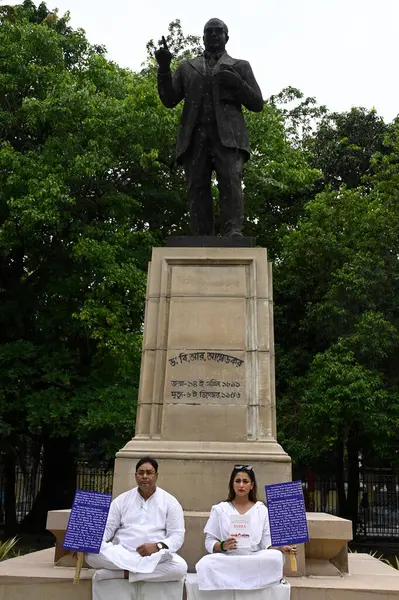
x=212, y=377
x=205, y=356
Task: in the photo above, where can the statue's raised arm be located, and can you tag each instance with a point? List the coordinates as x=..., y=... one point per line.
x=163, y=57
x=170, y=89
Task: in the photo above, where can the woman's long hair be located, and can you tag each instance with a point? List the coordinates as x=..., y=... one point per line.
x=253, y=494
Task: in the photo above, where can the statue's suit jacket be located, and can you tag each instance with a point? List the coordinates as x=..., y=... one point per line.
x=188, y=82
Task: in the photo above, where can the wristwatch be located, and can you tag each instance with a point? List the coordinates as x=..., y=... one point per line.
x=160, y=546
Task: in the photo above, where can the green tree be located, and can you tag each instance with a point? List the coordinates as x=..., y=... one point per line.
x=278, y=180
x=337, y=327
x=73, y=248
x=342, y=145
x=301, y=115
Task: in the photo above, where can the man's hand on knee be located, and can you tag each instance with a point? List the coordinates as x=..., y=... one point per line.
x=147, y=549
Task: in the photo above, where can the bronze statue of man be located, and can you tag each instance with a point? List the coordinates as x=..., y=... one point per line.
x=213, y=134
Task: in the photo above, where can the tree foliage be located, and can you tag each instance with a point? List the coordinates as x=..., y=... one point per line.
x=73, y=247
x=338, y=325
x=343, y=144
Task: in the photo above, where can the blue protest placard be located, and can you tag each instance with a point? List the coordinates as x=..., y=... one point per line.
x=287, y=513
x=87, y=521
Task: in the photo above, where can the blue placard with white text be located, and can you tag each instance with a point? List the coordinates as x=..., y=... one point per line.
x=87, y=522
x=287, y=513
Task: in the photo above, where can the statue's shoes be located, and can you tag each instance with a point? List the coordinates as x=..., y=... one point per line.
x=234, y=233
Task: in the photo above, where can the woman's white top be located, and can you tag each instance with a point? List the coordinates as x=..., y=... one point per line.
x=218, y=527
x=245, y=568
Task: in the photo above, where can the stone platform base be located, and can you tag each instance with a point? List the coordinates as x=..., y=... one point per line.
x=368, y=579
x=34, y=576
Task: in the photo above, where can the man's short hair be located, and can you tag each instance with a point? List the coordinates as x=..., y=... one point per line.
x=225, y=29
x=147, y=459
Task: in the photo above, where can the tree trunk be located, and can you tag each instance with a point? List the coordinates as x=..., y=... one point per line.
x=10, y=509
x=353, y=478
x=340, y=480
x=58, y=484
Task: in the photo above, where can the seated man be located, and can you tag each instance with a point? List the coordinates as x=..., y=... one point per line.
x=145, y=528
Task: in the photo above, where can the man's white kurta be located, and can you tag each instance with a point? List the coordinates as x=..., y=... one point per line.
x=133, y=521
x=244, y=568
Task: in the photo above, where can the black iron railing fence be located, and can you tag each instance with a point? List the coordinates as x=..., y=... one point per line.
x=27, y=485
x=378, y=497
x=96, y=480
x=378, y=503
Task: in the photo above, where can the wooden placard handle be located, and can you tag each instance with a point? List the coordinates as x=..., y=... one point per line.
x=78, y=567
x=293, y=565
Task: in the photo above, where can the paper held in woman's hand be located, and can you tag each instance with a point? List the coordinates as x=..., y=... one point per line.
x=240, y=529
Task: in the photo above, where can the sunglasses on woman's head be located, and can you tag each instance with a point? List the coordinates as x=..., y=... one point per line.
x=246, y=467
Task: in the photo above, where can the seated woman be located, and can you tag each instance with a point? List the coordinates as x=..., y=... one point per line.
x=229, y=567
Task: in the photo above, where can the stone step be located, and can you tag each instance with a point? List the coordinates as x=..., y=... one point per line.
x=34, y=576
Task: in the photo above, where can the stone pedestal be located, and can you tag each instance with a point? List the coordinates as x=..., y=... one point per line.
x=207, y=388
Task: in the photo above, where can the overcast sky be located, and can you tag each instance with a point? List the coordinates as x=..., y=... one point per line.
x=343, y=52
